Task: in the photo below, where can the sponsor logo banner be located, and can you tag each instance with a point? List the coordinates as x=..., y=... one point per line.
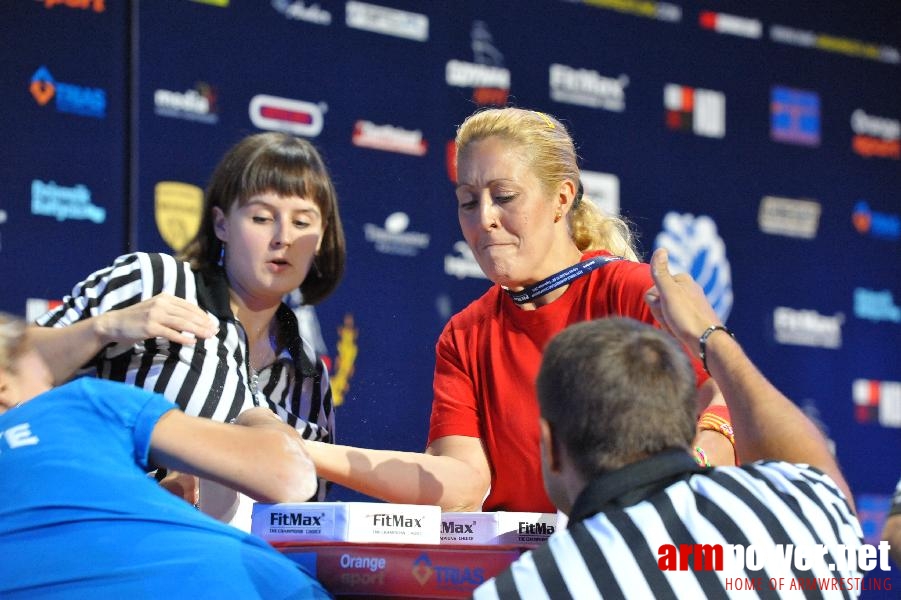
x=35, y=307
x=67, y=97
x=65, y=203
x=586, y=87
x=874, y=136
x=463, y=264
x=198, y=104
x=730, y=24
x=878, y=401
x=463, y=577
x=287, y=115
x=700, y=111
x=790, y=217
x=695, y=247
x=97, y=6
x=345, y=360
x=875, y=224
x=804, y=38
x=602, y=189
x=486, y=74
x=450, y=160
x=387, y=21
x=394, y=238
x=389, y=138
x=178, y=208
x=300, y=11
x=804, y=327
x=661, y=11
x=876, y=305
x=794, y=116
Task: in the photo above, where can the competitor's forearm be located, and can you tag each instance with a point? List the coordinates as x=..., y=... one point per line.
x=401, y=477
x=65, y=349
x=264, y=458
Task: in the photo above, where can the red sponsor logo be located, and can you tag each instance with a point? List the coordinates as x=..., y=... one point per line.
x=296, y=117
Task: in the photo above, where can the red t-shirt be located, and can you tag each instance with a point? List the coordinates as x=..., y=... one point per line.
x=488, y=357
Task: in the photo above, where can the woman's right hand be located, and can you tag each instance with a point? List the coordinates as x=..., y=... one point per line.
x=163, y=315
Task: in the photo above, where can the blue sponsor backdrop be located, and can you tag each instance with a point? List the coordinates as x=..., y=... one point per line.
x=760, y=142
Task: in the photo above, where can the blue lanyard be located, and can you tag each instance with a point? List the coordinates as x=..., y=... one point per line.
x=560, y=279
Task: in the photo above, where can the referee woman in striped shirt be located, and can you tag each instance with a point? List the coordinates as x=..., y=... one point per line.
x=208, y=328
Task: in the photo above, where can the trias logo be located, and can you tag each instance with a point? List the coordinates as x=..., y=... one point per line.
x=198, y=104
x=389, y=520
x=447, y=577
x=586, y=87
x=878, y=137
x=69, y=98
x=486, y=74
x=389, y=138
x=295, y=519
x=295, y=117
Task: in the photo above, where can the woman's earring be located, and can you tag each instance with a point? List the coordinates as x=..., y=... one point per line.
x=558, y=216
x=221, y=262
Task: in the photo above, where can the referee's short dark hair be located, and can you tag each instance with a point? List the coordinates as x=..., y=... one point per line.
x=616, y=390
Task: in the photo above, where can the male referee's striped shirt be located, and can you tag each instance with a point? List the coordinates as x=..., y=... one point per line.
x=210, y=379
x=615, y=553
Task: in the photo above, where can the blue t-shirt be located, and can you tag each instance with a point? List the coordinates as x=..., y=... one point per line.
x=79, y=516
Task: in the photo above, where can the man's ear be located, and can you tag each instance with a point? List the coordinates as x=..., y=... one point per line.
x=220, y=224
x=550, y=447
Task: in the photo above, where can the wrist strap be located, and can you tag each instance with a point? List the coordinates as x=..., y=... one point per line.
x=703, y=341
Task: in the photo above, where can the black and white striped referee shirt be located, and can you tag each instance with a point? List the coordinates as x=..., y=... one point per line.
x=211, y=378
x=666, y=502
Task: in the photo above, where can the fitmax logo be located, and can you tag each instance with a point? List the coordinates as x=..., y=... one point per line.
x=385, y=520
x=295, y=519
x=535, y=528
x=453, y=527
